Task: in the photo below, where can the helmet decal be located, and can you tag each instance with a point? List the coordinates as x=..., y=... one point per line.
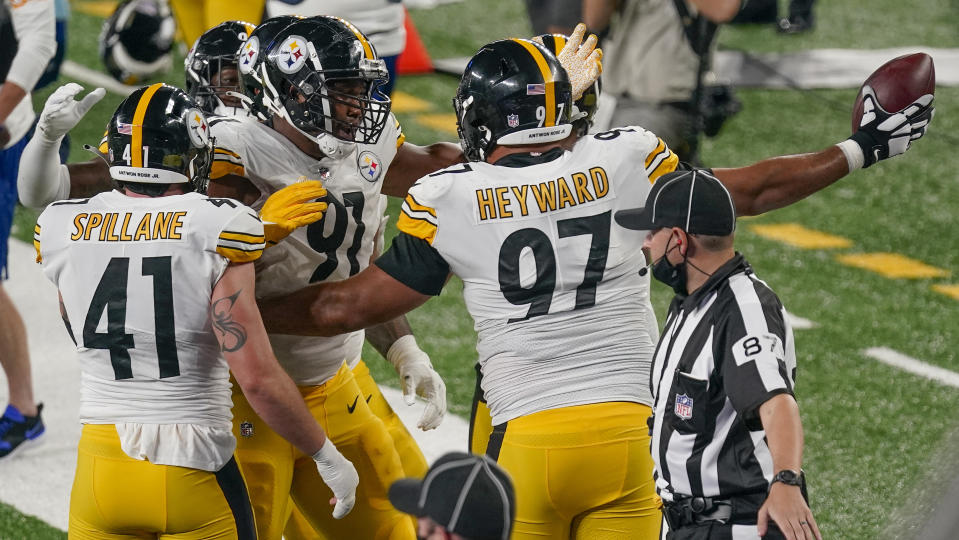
x=249, y=52
x=291, y=54
x=198, y=130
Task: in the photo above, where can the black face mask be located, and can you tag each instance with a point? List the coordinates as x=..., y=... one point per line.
x=672, y=275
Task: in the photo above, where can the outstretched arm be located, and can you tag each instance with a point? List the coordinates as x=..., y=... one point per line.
x=781, y=181
x=413, y=162
x=328, y=309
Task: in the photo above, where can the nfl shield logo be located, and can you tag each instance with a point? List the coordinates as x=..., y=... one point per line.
x=246, y=429
x=684, y=406
x=512, y=120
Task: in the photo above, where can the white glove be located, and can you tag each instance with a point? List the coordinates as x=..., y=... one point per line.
x=419, y=379
x=881, y=134
x=62, y=112
x=582, y=60
x=340, y=475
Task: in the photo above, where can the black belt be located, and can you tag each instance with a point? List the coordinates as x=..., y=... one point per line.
x=687, y=511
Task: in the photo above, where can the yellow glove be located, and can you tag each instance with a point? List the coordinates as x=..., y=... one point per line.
x=291, y=207
x=581, y=60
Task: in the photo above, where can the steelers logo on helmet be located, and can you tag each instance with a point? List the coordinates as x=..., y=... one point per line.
x=370, y=166
x=248, y=54
x=197, y=128
x=291, y=55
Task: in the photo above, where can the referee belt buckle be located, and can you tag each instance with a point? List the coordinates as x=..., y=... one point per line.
x=694, y=510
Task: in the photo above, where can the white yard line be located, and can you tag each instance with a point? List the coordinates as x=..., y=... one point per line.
x=917, y=367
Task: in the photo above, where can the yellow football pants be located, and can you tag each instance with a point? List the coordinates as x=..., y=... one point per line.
x=411, y=457
x=117, y=497
x=581, y=472
x=481, y=422
x=193, y=17
x=275, y=470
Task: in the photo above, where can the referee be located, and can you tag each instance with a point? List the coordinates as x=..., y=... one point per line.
x=726, y=435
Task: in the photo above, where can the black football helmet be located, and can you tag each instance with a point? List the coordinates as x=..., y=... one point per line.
x=261, y=39
x=584, y=108
x=159, y=135
x=208, y=66
x=136, y=40
x=513, y=92
x=322, y=75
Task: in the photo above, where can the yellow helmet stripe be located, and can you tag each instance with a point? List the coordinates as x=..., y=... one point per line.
x=136, y=144
x=560, y=42
x=367, y=48
x=547, y=78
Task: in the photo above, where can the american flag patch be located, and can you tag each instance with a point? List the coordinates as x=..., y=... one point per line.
x=124, y=129
x=535, y=89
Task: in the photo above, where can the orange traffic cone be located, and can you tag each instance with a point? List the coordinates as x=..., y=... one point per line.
x=414, y=58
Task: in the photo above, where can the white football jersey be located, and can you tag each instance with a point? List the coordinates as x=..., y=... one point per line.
x=552, y=283
x=334, y=248
x=136, y=276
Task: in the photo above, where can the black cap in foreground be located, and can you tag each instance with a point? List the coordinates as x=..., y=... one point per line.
x=467, y=494
x=695, y=201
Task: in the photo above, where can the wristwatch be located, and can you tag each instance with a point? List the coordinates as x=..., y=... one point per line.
x=788, y=477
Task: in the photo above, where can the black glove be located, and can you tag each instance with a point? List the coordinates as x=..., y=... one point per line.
x=883, y=134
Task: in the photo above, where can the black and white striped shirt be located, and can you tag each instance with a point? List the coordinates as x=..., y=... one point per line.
x=724, y=351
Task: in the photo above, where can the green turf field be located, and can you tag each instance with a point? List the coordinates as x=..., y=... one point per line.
x=876, y=437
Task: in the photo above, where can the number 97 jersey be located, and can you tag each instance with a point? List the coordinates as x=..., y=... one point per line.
x=549, y=278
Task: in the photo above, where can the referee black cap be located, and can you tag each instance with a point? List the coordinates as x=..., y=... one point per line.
x=694, y=200
x=468, y=494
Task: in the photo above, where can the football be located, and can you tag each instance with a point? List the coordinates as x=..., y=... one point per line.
x=897, y=83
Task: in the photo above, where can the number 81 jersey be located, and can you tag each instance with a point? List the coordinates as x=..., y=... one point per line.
x=551, y=281
x=334, y=248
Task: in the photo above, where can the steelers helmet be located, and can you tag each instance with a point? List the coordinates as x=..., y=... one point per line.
x=584, y=108
x=159, y=135
x=260, y=39
x=317, y=66
x=136, y=40
x=513, y=92
x=211, y=65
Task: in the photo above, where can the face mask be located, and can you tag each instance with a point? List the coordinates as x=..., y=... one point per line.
x=672, y=275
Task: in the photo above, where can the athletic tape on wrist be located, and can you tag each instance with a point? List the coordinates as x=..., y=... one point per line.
x=853, y=152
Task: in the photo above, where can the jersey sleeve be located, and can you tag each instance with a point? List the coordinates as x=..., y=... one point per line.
x=752, y=346
x=103, y=147
x=418, y=216
x=657, y=157
x=400, y=136
x=227, y=152
x=241, y=240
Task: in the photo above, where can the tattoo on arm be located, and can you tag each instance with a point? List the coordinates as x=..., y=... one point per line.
x=66, y=319
x=233, y=334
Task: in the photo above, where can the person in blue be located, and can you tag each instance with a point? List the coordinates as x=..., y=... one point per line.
x=27, y=43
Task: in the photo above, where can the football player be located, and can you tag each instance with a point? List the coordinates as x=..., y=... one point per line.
x=212, y=75
x=555, y=289
x=325, y=124
x=171, y=272
x=581, y=116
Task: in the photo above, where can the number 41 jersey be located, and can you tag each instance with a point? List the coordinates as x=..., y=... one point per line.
x=136, y=276
x=552, y=283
